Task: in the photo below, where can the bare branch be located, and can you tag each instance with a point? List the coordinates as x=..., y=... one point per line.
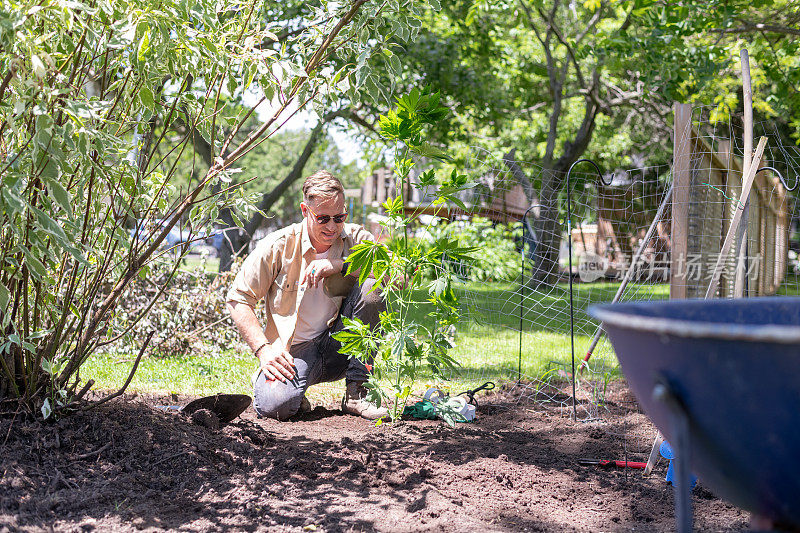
x=361, y=121
x=531, y=24
x=7, y=79
x=312, y=64
x=286, y=34
x=590, y=26
x=570, y=51
x=121, y=391
x=92, y=453
x=555, y=85
x=146, y=310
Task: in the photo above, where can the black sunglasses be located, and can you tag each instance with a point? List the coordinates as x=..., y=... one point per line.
x=324, y=219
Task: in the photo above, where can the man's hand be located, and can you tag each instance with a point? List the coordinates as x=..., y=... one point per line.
x=319, y=269
x=276, y=363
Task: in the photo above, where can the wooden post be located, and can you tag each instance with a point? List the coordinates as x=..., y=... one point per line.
x=681, y=179
x=783, y=265
x=769, y=253
x=764, y=255
x=741, y=235
x=763, y=213
x=747, y=184
x=782, y=234
x=747, y=94
x=732, y=185
x=778, y=204
x=368, y=190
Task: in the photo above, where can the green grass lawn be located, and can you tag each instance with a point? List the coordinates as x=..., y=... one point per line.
x=790, y=288
x=189, y=373
x=194, y=262
x=488, y=336
x=487, y=343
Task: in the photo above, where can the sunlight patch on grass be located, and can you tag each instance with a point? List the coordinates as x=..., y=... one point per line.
x=194, y=262
x=190, y=373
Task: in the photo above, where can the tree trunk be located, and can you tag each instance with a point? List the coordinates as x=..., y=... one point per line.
x=547, y=227
x=548, y=231
x=231, y=241
x=519, y=175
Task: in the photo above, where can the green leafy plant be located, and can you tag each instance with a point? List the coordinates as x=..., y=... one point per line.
x=404, y=346
x=98, y=102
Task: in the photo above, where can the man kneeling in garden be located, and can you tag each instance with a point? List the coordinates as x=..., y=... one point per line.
x=300, y=270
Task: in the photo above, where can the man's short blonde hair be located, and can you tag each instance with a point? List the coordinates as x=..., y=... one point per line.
x=322, y=184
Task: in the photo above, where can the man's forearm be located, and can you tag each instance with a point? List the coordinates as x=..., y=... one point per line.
x=249, y=327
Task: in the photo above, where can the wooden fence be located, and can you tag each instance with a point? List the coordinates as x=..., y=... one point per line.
x=707, y=184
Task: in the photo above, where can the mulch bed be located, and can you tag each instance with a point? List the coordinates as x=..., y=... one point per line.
x=129, y=466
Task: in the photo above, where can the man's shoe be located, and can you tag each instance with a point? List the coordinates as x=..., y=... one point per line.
x=355, y=403
x=305, y=406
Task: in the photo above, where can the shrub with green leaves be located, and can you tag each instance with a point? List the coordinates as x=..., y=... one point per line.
x=496, y=256
x=402, y=345
x=97, y=103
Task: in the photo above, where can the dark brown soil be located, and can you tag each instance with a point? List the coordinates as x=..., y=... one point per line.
x=128, y=466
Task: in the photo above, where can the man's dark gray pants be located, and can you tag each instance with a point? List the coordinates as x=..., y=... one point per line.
x=319, y=360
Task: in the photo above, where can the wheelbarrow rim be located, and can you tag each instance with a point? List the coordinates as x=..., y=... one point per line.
x=617, y=315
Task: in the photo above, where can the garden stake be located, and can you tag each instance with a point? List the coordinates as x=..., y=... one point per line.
x=522, y=294
x=740, y=284
x=571, y=299
x=651, y=461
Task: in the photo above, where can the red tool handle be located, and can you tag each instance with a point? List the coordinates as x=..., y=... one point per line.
x=622, y=464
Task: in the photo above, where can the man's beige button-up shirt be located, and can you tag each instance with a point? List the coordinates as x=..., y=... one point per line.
x=274, y=268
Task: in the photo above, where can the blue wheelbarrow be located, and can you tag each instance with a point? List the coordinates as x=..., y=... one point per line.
x=721, y=380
